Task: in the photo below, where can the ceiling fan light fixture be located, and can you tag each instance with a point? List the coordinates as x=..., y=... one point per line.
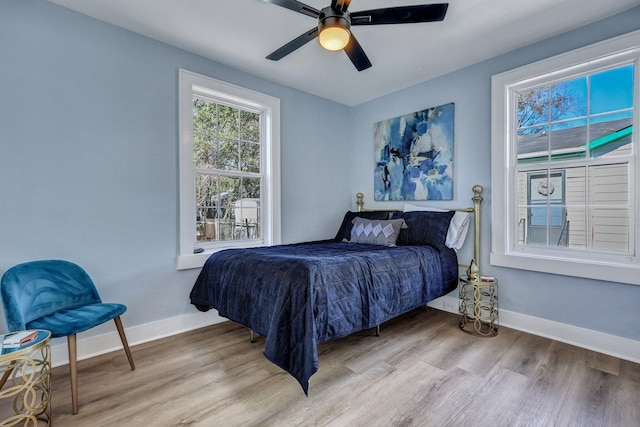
x=334, y=37
x=333, y=29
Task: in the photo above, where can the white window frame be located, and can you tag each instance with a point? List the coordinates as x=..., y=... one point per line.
x=504, y=249
x=189, y=84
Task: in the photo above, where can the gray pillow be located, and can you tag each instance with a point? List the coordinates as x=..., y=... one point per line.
x=376, y=231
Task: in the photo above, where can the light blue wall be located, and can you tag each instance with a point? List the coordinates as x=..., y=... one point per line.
x=88, y=155
x=88, y=160
x=607, y=307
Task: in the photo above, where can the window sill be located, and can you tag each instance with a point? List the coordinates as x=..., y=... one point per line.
x=190, y=261
x=606, y=271
x=186, y=262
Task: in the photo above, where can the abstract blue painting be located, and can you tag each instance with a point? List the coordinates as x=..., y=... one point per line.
x=414, y=156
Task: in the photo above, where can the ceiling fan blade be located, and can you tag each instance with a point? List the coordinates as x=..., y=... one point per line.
x=401, y=14
x=341, y=5
x=356, y=54
x=294, y=44
x=296, y=6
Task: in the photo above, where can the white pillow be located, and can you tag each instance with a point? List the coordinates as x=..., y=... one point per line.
x=458, y=227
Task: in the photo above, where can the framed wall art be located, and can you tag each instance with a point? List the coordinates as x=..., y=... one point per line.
x=414, y=155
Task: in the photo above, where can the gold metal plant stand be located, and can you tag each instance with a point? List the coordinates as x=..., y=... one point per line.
x=26, y=378
x=479, y=306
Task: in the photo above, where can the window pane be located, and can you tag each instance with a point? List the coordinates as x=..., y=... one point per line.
x=533, y=145
x=229, y=192
x=219, y=209
x=569, y=100
x=250, y=188
x=568, y=140
x=575, y=227
x=546, y=187
x=247, y=209
x=576, y=186
x=206, y=212
x=227, y=156
x=546, y=214
x=574, y=233
x=249, y=126
x=609, y=211
x=609, y=184
x=523, y=210
x=610, y=229
x=205, y=117
x=610, y=135
x=612, y=90
x=228, y=118
x=205, y=151
x=533, y=107
x=250, y=157
x=547, y=225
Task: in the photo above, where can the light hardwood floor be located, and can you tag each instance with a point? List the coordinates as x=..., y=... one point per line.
x=422, y=371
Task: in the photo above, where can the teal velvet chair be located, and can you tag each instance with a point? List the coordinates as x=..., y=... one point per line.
x=58, y=296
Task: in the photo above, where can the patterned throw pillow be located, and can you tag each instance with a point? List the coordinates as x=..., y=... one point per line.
x=376, y=231
x=344, y=233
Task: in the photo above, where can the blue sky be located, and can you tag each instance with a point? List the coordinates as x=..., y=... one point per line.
x=611, y=90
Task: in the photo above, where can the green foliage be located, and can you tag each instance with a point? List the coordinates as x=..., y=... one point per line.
x=226, y=147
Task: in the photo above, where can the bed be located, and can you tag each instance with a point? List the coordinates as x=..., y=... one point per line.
x=300, y=295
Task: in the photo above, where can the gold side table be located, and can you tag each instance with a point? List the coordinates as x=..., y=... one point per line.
x=26, y=378
x=478, y=313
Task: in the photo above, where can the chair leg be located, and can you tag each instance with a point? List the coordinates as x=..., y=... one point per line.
x=123, y=338
x=73, y=372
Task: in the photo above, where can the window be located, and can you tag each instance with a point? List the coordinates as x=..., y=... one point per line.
x=545, y=221
x=229, y=168
x=564, y=162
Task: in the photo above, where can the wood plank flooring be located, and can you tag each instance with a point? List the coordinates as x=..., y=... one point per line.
x=422, y=371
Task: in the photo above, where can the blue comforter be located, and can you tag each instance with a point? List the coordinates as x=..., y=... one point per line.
x=299, y=295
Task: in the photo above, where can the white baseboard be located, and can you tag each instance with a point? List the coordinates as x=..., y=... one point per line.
x=105, y=343
x=612, y=345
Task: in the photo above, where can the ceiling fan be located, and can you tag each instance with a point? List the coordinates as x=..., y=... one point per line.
x=335, y=21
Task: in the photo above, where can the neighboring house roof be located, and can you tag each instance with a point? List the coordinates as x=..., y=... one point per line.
x=569, y=143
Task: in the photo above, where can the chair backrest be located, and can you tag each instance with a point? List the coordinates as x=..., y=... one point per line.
x=36, y=289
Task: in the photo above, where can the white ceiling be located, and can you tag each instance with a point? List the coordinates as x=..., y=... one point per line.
x=240, y=33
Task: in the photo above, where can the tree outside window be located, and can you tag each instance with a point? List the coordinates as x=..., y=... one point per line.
x=226, y=158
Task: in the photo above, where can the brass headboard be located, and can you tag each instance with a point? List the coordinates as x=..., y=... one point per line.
x=475, y=210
